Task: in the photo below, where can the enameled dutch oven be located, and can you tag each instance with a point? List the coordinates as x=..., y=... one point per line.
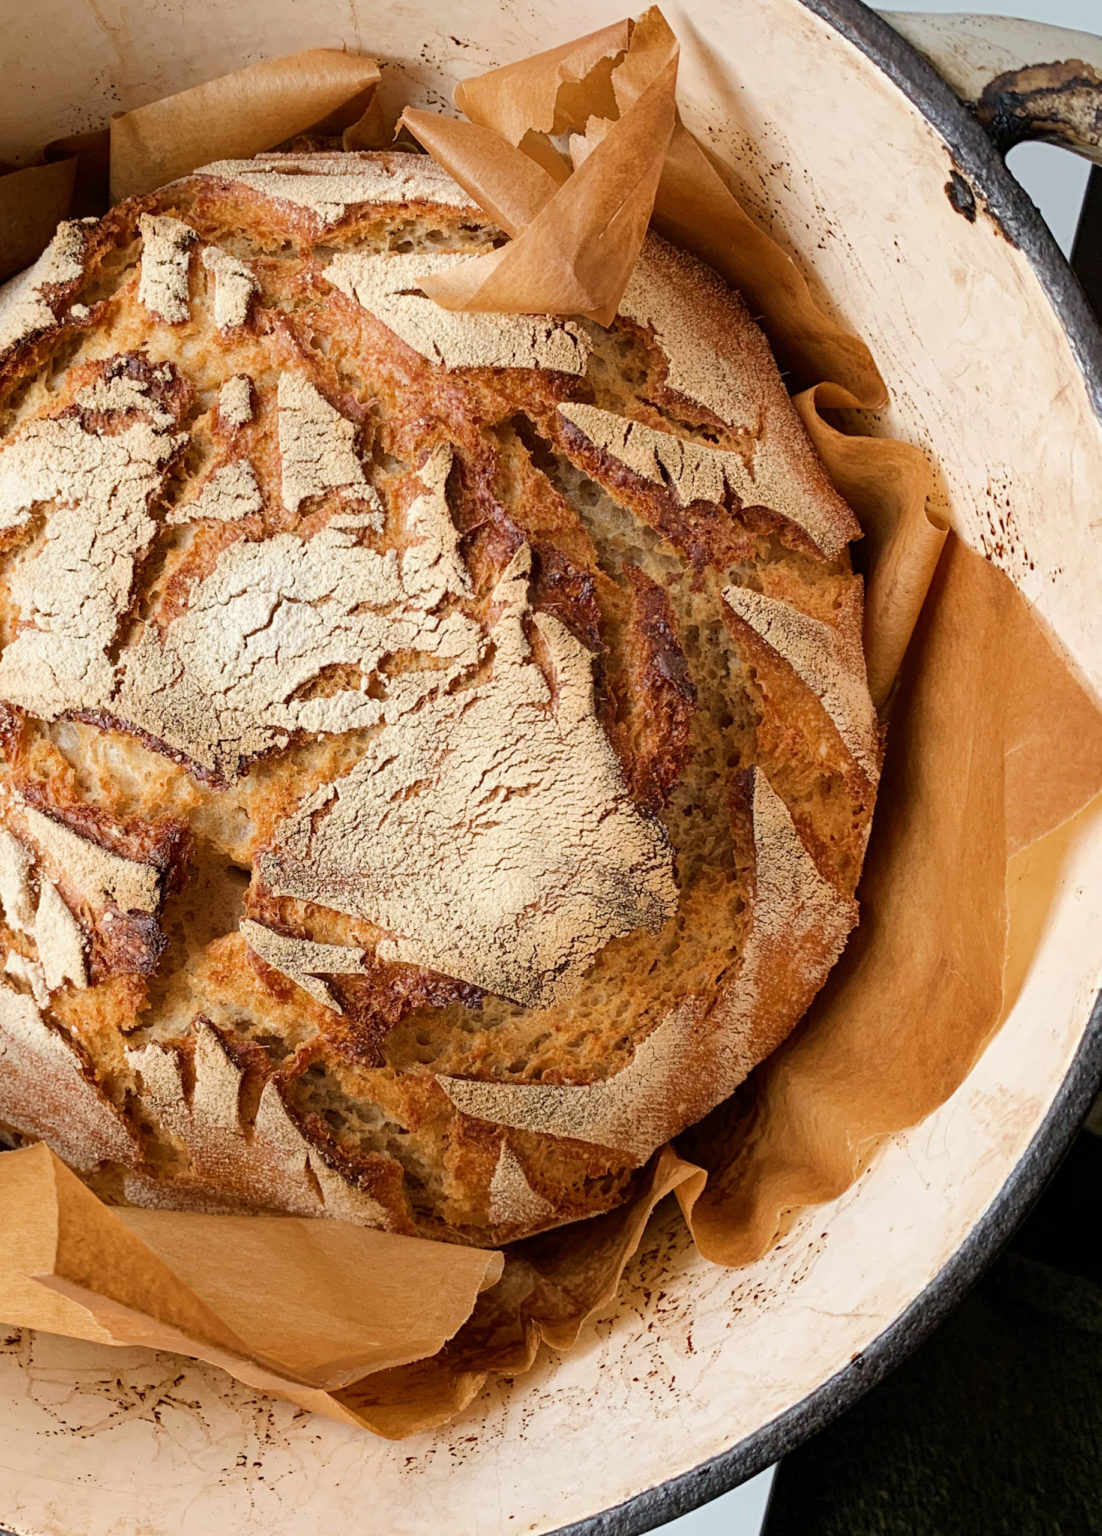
x=894, y=196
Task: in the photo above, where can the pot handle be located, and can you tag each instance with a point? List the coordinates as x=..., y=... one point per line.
x=1022, y=79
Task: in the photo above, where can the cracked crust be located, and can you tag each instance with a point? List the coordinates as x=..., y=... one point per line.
x=234, y=287
x=387, y=287
x=163, y=285
x=34, y=301
x=703, y=1049
x=491, y=834
x=436, y=754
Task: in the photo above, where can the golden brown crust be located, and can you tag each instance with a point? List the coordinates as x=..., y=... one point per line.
x=656, y=698
x=450, y=764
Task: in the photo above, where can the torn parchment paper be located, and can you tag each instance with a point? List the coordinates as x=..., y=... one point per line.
x=576, y=236
x=234, y=116
x=392, y=1333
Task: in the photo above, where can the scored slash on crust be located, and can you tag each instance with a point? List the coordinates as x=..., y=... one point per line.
x=387, y=286
x=701, y=1051
x=46, y=1090
x=830, y=662
x=304, y=961
x=327, y=186
x=692, y=471
x=490, y=730
x=716, y=358
x=101, y=879
x=57, y=935
x=269, y=1163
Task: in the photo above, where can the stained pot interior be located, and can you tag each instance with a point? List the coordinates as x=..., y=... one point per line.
x=692, y=1358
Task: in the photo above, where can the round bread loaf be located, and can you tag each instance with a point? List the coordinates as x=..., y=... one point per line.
x=437, y=759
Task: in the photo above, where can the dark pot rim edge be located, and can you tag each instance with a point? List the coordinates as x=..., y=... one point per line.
x=975, y=156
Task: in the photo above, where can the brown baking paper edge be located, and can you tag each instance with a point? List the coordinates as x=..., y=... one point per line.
x=552, y=1284
x=984, y=759
x=33, y=201
x=322, y=90
x=504, y=158
x=575, y=237
x=235, y=116
x=340, y=1301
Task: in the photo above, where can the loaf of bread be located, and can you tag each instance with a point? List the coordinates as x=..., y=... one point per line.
x=436, y=755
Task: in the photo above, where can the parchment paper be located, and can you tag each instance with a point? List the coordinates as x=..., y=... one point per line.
x=576, y=237
x=32, y=203
x=290, y=1306
x=566, y=152
x=235, y=116
x=323, y=89
x=505, y=158
x=969, y=780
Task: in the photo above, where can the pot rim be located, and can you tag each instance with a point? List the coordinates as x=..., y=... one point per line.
x=977, y=159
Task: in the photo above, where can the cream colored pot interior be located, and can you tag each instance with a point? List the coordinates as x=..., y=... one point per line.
x=693, y=1358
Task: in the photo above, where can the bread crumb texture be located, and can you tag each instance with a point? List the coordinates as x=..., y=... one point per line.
x=436, y=756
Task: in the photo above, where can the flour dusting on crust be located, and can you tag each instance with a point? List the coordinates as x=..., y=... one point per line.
x=317, y=445
x=45, y=1092
x=121, y=393
x=267, y=1164
x=389, y=287
x=60, y=939
x=715, y=357
x=490, y=833
x=16, y=890
x=101, y=877
x=831, y=663
x=432, y=567
x=303, y=960
x=25, y=301
x=234, y=286
x=224, y=683
x=697, y=1055
x=328, y=185
x=513, y=1201
x=691, y=471
x=699, y=367
x=72, y=592
x=230, y=493
x=31, y=973
x=235, y=401
x=163, y=284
